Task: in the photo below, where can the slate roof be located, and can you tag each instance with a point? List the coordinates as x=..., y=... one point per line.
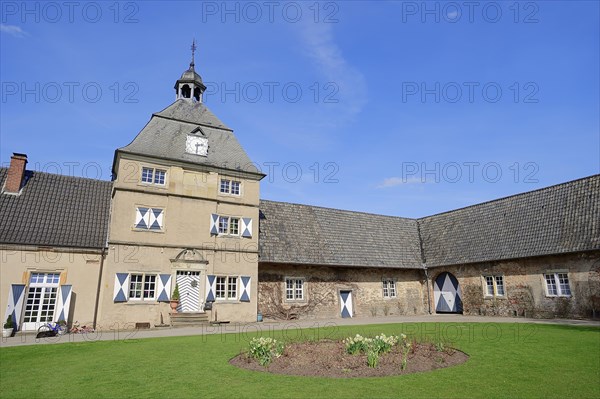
x=56, y=210
x=553, y=220
x=165, y=136
x=303, y=234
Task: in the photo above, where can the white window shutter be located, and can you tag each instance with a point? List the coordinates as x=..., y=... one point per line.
x=121, y=290
x=247, y=227
x=245, y=289
x=164, y=288
x=64, y=303
x=210, y=285
x=214, y=224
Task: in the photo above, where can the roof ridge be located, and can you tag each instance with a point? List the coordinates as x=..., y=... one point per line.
x=339, y=210
x=37, y=172
x=192, y=123
x=511, y=196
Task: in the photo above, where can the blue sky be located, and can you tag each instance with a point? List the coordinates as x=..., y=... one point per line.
x=399, y=108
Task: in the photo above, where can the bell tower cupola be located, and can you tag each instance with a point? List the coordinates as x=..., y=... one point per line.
x=189, y=86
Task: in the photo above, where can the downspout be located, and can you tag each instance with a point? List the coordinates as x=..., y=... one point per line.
x=104, y=252
x=424, y=263
x=428, y=295
x=101, y=271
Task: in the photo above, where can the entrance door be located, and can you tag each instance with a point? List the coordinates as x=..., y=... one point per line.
x=40, y=302
x=346, y=303
x=446, y=293
x=189, y=291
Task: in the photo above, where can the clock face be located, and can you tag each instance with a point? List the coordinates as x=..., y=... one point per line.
x=196, y=145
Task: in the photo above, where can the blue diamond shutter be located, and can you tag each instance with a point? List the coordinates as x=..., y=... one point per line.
x=64, y=303
x=121, y=292
x=164, y=288
x=156, y=219
x=142, y=218
x=210, y=285
x=247, y=227
x=214, y=224
x=245, y=291
x=15, y=304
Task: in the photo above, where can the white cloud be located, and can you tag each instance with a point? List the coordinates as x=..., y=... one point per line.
x=13, y=30
x=320, y=46
x=398, y=181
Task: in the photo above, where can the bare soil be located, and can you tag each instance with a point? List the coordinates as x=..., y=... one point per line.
x=329, y=359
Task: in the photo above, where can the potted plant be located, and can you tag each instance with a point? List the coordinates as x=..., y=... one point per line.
x=175, y=299
x=8, y=329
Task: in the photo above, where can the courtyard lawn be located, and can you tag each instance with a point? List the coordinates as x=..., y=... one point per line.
x=506, y=360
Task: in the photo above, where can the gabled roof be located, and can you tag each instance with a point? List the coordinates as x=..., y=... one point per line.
x=166, y=133
x=553, y=220
x=56, y=210
x=303, y=234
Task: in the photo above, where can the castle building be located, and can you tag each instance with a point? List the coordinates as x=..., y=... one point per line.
x=182, y=215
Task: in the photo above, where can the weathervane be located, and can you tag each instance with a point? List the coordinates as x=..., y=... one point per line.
x=193, y=51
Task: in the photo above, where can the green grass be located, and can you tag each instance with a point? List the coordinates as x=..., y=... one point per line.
x=506, y=360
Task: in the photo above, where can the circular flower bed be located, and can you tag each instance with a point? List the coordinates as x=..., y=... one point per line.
x=353, y=357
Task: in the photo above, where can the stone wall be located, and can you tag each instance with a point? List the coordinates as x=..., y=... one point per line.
x=525, y=286
x=322, y=286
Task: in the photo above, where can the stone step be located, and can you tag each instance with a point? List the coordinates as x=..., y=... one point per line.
x=188, y=319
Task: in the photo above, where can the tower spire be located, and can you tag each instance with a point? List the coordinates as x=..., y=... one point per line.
x=192, y=64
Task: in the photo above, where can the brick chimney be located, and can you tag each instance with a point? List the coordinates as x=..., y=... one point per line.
x=16, y=172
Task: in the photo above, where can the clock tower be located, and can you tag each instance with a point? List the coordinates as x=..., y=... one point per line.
x=184, y=213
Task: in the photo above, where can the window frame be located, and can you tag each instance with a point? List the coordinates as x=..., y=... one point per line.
x=558, y=284
x=227, y=228
x=389, y=289
x=294, y=289
x=145, y=279
x=228, y=184
x=493, y=278
x=153, y=176
x=225, y=287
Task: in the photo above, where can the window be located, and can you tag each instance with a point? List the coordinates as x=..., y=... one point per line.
x=142, y=287
x=389, y=288
x=231, y=287
x=557, y=284
x=494, y=286
x=294, y=289
x=229, y=225
x=226, y=287
x=153, y=176
x=230, y=187
x=149, y=218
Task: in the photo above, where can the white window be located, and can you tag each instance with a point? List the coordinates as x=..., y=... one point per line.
x=226, y=287
x=153, y=176
x=557, y=284
x=142, y=287
x=231, y=287
x=230, y=187
x=389, y=288
x=294, y=289
x=229, y=225
x=149, y=218
x=494, y=286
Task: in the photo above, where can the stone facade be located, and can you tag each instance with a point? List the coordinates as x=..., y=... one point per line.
x=525, y=287
x=323, y=284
